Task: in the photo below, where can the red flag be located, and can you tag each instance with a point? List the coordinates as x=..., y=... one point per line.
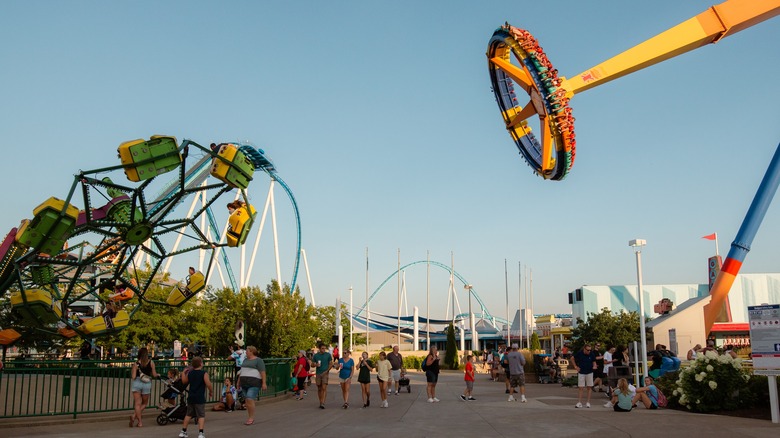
x=709, y=236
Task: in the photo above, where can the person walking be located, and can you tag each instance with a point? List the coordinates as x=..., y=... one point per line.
x=199, y=382
x=468, y=377
x=396, y=368
x=383, y=377
x=141, y=375
x=431, y=364
x=364, y=378
x=346, y=367
x=516, y=375
x=252, y=381
x=584, y=363
x=323, y=360
x=301, y=372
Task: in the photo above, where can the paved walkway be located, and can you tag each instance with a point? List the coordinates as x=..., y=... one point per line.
x=549, y=412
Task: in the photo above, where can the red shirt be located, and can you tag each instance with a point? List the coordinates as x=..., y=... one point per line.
x=301, y=366
x=469, y=377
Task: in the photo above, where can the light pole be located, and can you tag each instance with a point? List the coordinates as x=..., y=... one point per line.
x=637, y=244
x=468, y=287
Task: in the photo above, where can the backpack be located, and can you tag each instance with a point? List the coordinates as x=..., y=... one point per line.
x=662, y=401
x=424, y=365
x=307, y=367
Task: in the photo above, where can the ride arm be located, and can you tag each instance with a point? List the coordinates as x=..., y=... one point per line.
x=710, y=26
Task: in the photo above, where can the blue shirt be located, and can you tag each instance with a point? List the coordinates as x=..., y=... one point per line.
x=346, y=368
x=585, y=361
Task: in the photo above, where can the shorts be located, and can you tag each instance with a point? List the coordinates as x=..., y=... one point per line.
x=395, y=375
x=251, y=392
x=431, y=377
x=347, y=380
x=469, y=385
x=653, y=406
x=619, y=409
x=379, y=380
x=598, y=374
x=321, y=379
x=301, y=383
x=516, y=380
x=139, y=386
x=196, y=410
x=584, y=380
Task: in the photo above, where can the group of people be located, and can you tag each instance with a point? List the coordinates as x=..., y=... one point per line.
x=593, y=366
x=251, y=378
x=389, y=370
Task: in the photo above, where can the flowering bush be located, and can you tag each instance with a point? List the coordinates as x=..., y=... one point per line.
x=711, y=383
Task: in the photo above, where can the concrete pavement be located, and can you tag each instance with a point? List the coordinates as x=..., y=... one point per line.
x=549, y=412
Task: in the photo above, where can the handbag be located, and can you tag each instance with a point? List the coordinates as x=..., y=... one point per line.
x=144, y=378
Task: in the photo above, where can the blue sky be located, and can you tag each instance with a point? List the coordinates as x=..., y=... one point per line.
x=380, y=117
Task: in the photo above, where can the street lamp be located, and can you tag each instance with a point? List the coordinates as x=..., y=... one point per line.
x=637, y=244
x=468, y=287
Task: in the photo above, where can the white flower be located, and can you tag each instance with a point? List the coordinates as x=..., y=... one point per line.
x=726, y=358
x=698, y=402
x=711, y=354
x=703, y=374
x=699, y=377
x=713, y=384
x=674, y=393
x=710, y=368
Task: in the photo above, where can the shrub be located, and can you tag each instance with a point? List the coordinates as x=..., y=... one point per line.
x=712, y=383
x=413, y=362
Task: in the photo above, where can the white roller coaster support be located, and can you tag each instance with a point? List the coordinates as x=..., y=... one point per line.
x=178, y=239
x=276, y=239
x=268, y=201
x=202, y=253
x=311, y=289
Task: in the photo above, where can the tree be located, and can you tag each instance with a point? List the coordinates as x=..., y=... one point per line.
x=451, y=358
x=535, y=345
x=325, y=317
x=607, y=328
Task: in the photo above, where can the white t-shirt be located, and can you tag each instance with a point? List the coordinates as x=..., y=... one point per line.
x=607, y=362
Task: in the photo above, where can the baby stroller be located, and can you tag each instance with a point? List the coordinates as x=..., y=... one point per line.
x=404, y=382
x=179, y=410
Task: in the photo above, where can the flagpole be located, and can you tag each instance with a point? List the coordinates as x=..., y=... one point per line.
x=716, y=245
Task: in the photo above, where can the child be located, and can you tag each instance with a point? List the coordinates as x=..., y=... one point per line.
x=621, y=397
x=383, y=377
x=176, y=387
x=469, y=379
x=228, y=401
x=196, y=403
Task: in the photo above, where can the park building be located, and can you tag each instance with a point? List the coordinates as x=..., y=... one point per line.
x=675, y=312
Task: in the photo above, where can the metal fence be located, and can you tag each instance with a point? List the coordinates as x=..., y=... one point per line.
x=42, y=388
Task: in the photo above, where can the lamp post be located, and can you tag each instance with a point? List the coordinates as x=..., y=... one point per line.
x=637, y=244
x=468, y=287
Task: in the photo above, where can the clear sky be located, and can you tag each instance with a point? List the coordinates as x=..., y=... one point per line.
x=380, y=117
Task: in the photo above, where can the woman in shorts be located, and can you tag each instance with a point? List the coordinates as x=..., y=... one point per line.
x=432, y=373
x=141, y=377
x=252, y=380
x=346, y=367
x=383, y=377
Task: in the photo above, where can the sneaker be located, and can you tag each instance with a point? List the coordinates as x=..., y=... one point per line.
x=436, y=400
x=183, y=434
x=389, y=391
x=578, y=405
x=608, y=404
x=430, y=400
x=523, y=399
x=471, y=399
x=587, y=405
x=305, y=393
x=201, y=435
x=511, y=398
x=396, y=393
x=385, y=404
x=463, y=397
x=322, y=406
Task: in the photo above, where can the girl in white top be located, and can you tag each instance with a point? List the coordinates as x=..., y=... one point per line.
x=383, y=377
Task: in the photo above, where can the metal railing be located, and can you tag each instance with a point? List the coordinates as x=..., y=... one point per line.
x=43, y=388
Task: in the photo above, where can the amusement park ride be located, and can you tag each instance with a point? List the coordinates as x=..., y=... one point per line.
x=515, y=59
x=119, y=240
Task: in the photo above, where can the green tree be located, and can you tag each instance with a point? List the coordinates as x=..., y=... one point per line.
x=535, y=345
x=451, y=356
x=607, y=328
x=325, y=317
